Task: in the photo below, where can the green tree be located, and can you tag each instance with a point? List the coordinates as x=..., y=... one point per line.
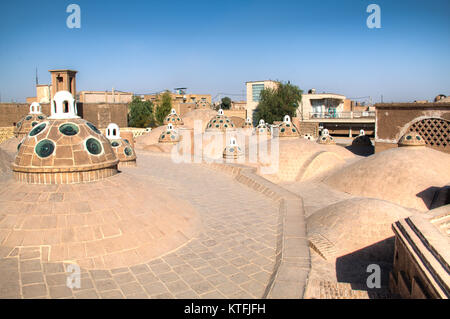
x=164, y=107
x=275, y=103
x=226, y=103
x=141, y=113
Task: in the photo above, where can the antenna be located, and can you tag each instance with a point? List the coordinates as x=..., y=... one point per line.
x=37, y=81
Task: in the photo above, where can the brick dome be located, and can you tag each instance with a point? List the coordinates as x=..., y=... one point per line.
x=173, y=119
x=411, y=139
x=361, y=140
x=326, y=138
x=34, y=117
x=64, y=149
x=287, y=128
x=220, y=122
x=232, y=151
x=169, y=135
x=247, y=124
x=122, y=147
x=262, y=128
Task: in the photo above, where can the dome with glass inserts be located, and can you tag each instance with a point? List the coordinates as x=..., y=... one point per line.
x=233, y=150
x=262, y=128
x=326, y=138
x=247, y=124
x=64, y=148
x=220, y=122
x=122, y=147
x=173, y=119
x=169, y=135
x=287, y=128
x=34, y=117
x=411, y=139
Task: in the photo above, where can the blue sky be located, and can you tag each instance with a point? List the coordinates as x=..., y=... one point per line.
x=215, y=46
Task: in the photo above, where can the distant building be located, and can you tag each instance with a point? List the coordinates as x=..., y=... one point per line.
x=181, y=101
x=320, y=105
x=105, y=96
x=254, y=89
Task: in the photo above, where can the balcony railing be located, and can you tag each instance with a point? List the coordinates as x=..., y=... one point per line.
x=342, y=115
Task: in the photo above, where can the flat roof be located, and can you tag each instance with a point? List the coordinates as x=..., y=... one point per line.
x=261, y=81
x=413, y=105
x=62, y=70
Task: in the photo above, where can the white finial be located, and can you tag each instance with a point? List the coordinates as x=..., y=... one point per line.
x=233, y=142
x=248, y=120
x=325, y=132
x=112, y=131
x=63, y=106
x=261, y=122
x=361, y=132
x=173, y=112
x=35, y=108
x=287, y=119
x=170, y=126
x=220, y=112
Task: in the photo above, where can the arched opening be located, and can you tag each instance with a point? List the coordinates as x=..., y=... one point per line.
x=114, y=132
x=435, y=132
x=66, y=107
x=54, y=107
x=109, y=132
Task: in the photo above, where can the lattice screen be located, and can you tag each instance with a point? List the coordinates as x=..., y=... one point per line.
x=435, y=131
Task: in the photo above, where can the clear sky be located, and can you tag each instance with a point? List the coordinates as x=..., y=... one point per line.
x=216, y=46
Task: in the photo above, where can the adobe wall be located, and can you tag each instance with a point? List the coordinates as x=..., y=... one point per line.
x=99, y=114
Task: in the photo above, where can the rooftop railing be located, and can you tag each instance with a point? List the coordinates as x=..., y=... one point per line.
x=342, y=115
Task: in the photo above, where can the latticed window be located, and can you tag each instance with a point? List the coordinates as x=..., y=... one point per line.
x=435, y=131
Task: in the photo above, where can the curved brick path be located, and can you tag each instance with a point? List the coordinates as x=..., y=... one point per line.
x=233, y=257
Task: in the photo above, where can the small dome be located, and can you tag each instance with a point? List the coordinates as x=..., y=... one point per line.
x=326, y=138
x=262, y=128
x=287, y=128
x=247, y=123
x=232, y=151
x=122, y=147
x=173, y=119
x=63, y=106
x=220, y=122
x=28, y=122
x=411, y=139
x=169, y=135
x=361, y=140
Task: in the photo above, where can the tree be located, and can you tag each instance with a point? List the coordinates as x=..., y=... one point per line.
x=275, y=103
x=226, y=103
x=164, y=107
x=141, y=113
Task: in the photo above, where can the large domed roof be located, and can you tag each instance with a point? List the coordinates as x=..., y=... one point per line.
x=352, y=225
x=34, y=117
x=407, y=176
x=220, y=122
x=104, y=224
x=64, y=149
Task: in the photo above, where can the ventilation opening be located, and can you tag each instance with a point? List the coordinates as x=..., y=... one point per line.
x=66, y=106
